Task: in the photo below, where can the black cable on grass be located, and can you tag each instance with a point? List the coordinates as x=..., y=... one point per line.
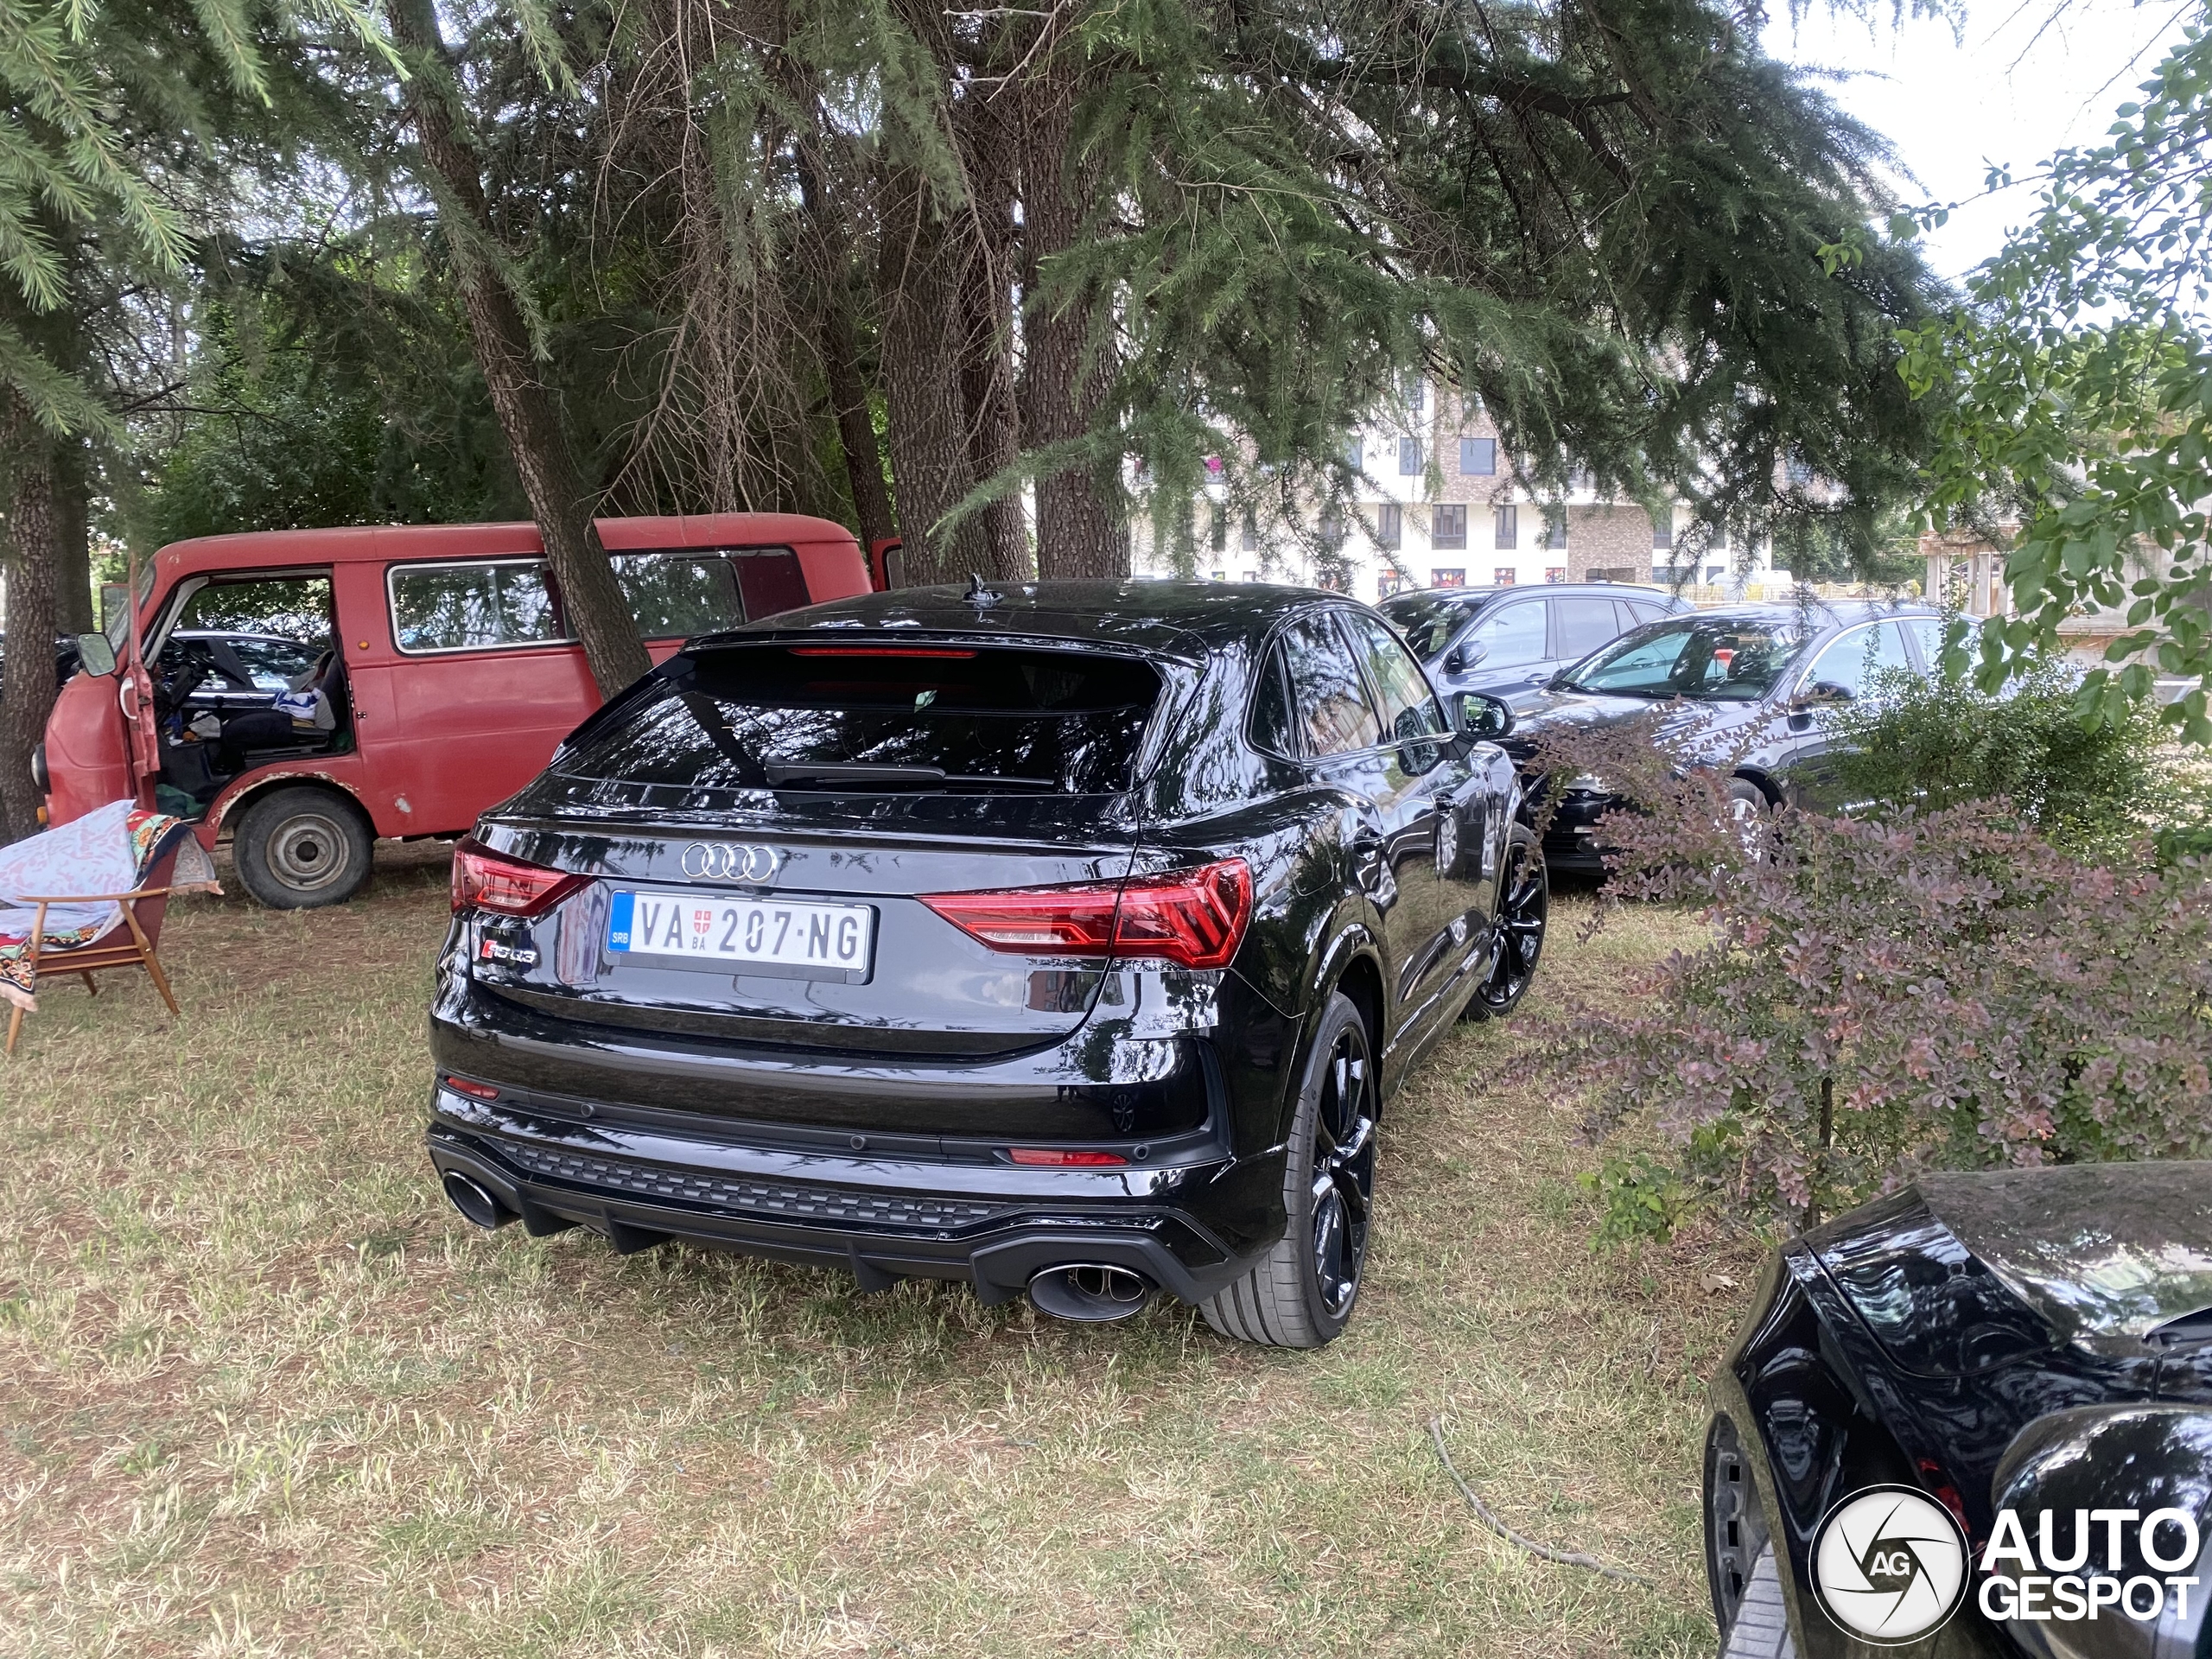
x=1490, y=1518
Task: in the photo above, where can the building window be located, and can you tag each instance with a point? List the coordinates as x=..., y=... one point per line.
x=1354, y=455
x=1416, y=395
x=1249, y=538
x=1554, y=573
x=1579, y=480
x=1715, y=574
x=1221, y=575
x=1509, y=529
x=1217, y=530
x=1447, y=578
x=1389, y=527
x=1662, y=532
x=1477, y=457
x=1719, y=543
x=1449, y=527
x=1408, y=457
x=1251, y=575
x=1388, y=584
x=1502, y=576
x=1555, y=533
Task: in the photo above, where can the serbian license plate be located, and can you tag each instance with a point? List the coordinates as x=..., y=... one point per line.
x=746, y=936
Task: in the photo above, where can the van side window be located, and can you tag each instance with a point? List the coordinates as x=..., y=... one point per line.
x=675, y=596
x=473, y=606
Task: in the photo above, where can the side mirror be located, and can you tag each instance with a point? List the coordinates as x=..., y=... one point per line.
x=1455, y=660
x=94, y=654
x=1480, y=714
x=1820, y=694
x=2151, y=1464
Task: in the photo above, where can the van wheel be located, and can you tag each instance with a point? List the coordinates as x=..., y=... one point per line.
x=1301, y=1293
x=301, y=849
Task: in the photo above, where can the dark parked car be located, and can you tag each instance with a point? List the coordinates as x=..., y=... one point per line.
x=1503, y=640
x=2032, y=1344
x=1068, y=941
x=1750, y=681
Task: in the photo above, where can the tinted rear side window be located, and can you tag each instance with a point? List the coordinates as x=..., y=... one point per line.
x=864, y=720
x=1334, y=717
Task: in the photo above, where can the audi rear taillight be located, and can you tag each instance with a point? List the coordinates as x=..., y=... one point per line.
x=484, y=879
x=1196, y=918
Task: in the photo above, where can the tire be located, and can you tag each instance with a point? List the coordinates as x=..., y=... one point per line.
x=301, y=848
x=1751, y=814
x=1524, y=909
x=1301, y=1293
x=1747, y=1596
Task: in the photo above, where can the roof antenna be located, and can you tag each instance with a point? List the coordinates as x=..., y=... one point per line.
x=978, y=595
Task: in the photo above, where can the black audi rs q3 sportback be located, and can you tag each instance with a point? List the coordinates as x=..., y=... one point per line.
x=1067, y=940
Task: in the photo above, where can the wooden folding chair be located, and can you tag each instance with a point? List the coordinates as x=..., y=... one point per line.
x=128, y=944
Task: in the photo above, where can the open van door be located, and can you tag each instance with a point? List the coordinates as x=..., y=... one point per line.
x=884, y=561
x=141, y=734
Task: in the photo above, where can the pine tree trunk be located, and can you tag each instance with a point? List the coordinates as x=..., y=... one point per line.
x=840, y=366
x=988, y=141
x=918, y=283
x=528, y=412
x=855, y=425
x=28, y=564
x=73, y=547
x=1080, y=528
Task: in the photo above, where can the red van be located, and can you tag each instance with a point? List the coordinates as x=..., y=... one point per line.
x=445, y=671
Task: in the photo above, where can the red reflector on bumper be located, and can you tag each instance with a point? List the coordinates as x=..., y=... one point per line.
x=1055, y=1158
x=475, y=1090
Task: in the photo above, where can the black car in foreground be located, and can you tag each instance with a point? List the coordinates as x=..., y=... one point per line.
x=1069, y=941
x=1975, y=1418
x=1747, y=685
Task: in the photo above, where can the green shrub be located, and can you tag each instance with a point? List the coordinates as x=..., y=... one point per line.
x=1932, y=744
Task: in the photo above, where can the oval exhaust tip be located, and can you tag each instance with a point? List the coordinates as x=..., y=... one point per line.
x=474, y=1201
x=1090, y=1293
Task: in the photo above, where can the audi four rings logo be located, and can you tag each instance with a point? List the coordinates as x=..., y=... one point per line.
x=724, y=860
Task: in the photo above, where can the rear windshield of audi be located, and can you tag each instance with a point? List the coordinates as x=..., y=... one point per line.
x=858, y=719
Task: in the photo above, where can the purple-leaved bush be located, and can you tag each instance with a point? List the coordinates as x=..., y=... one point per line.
x=1947, y=991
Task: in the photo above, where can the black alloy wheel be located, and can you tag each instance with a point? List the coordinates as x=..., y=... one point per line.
x=1343, y=1185
x=1299, y=1294
x=1523, y=911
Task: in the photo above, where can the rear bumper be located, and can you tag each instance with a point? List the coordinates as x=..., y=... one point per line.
x=1570, y=839
x=995, y=1226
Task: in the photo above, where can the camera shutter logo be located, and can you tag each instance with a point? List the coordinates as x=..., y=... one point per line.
x=1890, y=1565
x=725, y=860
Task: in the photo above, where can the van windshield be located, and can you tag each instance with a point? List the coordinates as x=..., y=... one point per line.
x=872, y=719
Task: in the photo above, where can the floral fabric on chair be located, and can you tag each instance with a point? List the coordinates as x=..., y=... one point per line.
x=107, y=850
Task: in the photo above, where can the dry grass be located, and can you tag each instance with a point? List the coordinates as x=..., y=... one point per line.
x=264, y=1392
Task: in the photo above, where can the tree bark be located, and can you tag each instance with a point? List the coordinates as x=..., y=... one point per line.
x=987, y=139
x=1081, y=530
x=72, y=546
x=26, y=688
x=528, y=413
x=841, y=367
x=917, y=284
